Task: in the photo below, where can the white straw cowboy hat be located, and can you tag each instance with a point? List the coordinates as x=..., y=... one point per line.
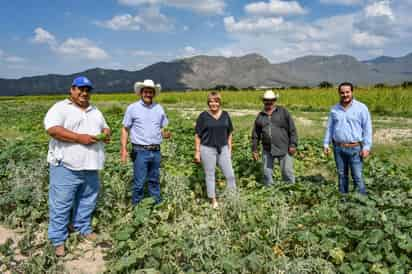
x=147, y=84
x=270, y=95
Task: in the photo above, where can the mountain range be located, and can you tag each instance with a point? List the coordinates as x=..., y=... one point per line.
x=204, y=72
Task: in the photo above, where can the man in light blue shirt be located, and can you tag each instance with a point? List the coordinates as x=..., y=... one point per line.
x=144, y=121
x=349, y=128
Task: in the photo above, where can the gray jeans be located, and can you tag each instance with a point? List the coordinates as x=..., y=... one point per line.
x=210, y=157
x=286, y=167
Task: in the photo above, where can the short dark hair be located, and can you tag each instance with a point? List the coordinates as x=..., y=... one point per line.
x=346, y=84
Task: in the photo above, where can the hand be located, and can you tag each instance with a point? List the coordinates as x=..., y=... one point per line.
x=364, y=153
x=166, y=134
x=124, y=155
x=197, y=157
x=292, y=150
x=85, y=139
x=326, y=150
x=255, y=155
x=108, y=135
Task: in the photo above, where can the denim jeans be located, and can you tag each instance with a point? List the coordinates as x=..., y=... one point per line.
x=286, y=167
x=71, y=192
x=349, y=158
x=146, y=165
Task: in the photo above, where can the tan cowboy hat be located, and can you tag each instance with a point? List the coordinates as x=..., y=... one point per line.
x=270, y=95
x=147, y=84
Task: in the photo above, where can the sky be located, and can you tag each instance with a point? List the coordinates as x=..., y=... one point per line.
x=63, y=37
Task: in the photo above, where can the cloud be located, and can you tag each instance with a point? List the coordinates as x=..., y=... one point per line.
x=199, y=6
x=342, y=2
x=78, y=47
x=10, y=59
x=378, y=9
x=149, y=19
x=367, y=40
x=43, y=36
x=81, y=47
x=253, y=25
x=275, y=7
x=141, y=53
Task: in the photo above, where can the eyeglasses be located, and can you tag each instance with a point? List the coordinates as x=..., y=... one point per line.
x=269, y=100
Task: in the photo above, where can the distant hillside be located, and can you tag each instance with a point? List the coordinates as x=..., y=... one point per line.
x=201, y=72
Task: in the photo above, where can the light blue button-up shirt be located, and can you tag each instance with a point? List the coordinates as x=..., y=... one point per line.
x=145, y=123
x=349, y=125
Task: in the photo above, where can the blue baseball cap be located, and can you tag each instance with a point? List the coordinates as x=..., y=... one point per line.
x=82, y=81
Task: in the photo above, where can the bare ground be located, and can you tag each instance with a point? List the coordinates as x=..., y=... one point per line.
x=84, y=259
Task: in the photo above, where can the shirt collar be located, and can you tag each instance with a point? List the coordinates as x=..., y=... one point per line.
x=69, y=102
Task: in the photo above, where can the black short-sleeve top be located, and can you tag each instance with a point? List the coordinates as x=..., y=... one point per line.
x=214, y=132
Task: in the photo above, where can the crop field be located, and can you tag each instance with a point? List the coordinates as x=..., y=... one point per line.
x=306, y=227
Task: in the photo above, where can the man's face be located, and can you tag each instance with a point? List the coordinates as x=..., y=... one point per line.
x=80, y=95
x=345, y=94
x=147, y=95
x=269, y=103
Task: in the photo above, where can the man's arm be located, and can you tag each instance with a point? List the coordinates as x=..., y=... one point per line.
x=293, y=137
x=256, y=136
x=65, y=135
x=328, y=134
x=124, y=137
x=367, y=133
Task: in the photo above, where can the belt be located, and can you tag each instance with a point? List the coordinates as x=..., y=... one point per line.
x=354, y=144
x=147, y=147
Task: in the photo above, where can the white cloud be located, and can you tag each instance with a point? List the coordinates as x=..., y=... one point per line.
x=189, y=50
x=43, y=36
x=199, y=6
x=381, y=8
x=253, y=25
x=77, y=47
x=141, y=53
x=81, y=47
x=275, y=7
x=10, y=59
x=342, y=2
x=149, y=19
x=367, y=40
x=185, y=28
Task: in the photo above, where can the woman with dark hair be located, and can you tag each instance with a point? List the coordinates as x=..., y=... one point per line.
x=213, y=143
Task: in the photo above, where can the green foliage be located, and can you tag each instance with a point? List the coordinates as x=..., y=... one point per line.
x=306, y=227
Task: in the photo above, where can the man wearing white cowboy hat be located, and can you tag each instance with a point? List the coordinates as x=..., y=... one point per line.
x=145, y=121
x=275, y=129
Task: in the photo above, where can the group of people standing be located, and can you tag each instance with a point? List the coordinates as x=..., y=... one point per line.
x=76, y=148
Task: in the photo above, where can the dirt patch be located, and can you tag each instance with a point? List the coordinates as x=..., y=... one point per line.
x=392, y=135
x=87, y=259
x=6, y=233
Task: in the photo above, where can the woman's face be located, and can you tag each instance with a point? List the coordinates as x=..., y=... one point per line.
x=214, y=104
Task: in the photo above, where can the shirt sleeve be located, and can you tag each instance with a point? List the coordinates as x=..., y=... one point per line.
x=367, y=129
x=230, y=128
x=328, y=133
x=199, y=125
x=164, y=120
x=256, y=135
x=54, y=117
x=128, y=119
x=293, y=136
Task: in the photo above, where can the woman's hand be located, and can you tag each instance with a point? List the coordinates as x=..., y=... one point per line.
x=197, y=157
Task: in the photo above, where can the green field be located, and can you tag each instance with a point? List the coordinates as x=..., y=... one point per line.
x=300, y=228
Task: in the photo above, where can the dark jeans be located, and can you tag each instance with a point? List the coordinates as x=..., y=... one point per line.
x=349, y=158
x=146, y=165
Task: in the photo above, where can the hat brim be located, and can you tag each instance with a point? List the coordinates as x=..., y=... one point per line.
x=139, y=85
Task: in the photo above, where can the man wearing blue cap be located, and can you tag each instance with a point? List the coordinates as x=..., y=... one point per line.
x=75, y=156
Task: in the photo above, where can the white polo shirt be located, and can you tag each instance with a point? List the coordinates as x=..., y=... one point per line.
x=72, y=155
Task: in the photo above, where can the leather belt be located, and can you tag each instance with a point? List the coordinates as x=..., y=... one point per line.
x=354, y=144
x=147, y=147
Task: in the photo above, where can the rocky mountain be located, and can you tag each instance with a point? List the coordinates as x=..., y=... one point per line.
x=202, y=72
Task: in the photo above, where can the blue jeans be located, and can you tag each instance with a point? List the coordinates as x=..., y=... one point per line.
x=71, y=192
x=146, y=165
x=349, y=158
x=286, y=167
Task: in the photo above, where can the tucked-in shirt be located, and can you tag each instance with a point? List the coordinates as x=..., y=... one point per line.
x=72, y=155
x=145, y=123
x=277, y=132
x=214, y=132
x=349, y=125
